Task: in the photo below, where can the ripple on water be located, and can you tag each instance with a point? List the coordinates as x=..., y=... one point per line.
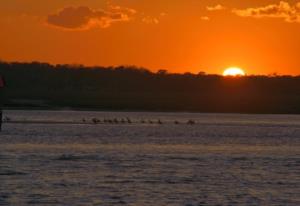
x=218, y=163
x=72, y=157
x=11, y=173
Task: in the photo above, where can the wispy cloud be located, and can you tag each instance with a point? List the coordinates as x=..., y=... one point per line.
x=283, y=10
x=150, y=20
x=205, y=18
x=217, y=7
x=83, y=18
x=153, y=19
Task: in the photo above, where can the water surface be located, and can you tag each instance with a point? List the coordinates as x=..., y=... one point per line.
x=60, y=158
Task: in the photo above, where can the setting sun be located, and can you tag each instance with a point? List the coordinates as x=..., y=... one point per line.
x=234, y=71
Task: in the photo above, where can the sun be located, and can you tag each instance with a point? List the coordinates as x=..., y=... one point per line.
x=234, y=72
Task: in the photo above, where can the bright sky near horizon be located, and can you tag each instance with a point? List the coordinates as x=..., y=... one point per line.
x=260, y=36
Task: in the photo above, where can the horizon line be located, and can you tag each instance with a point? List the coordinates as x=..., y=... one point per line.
x=156, y=71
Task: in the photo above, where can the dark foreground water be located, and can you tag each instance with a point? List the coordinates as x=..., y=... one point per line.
x=57, y=158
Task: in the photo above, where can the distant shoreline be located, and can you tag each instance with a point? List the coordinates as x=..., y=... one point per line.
x=33, y=86
x=63, y=109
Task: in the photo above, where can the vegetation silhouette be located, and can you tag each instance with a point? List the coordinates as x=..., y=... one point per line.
x=40, y=85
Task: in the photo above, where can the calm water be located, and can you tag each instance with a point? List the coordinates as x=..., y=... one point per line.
x=54, y=158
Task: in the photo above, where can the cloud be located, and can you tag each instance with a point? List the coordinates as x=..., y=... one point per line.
x=83, y=18
x=150, y=20
x=205, y=18
x=153, y=19
x=283, y=10
x=215, y=8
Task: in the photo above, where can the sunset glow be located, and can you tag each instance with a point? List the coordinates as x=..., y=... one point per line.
x=233, y=71
x=179, y=36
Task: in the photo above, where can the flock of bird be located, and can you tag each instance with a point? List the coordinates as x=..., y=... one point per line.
x=129, y=121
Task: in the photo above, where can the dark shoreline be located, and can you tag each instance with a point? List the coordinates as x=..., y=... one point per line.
x=57, y=109
x=130, y=89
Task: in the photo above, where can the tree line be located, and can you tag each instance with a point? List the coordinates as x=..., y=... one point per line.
x=41, y=85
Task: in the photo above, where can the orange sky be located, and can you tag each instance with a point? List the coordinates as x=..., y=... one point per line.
x=260, y=36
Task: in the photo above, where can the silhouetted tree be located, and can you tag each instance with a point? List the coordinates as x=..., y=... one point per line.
x=131, y=88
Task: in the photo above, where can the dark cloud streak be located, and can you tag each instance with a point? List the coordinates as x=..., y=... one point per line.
x=83, y=18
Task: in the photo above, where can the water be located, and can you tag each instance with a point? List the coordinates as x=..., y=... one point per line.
x=54, y=158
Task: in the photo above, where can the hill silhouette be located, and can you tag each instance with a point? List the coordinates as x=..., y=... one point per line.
x=41, y=85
